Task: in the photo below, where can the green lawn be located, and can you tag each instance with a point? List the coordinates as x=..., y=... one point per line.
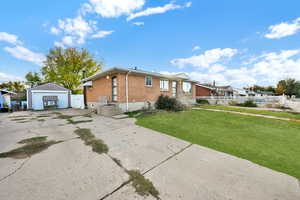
x=267, y=142
x=253, y=111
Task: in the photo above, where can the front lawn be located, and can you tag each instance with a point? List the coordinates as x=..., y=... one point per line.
x=290, y=115
x=267, y=142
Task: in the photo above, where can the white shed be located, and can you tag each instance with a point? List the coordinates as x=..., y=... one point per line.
x=47, y=96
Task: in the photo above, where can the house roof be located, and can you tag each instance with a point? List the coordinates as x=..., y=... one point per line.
x=49, y=86
x=182, y=76
x=205, y=86
x=5, y=91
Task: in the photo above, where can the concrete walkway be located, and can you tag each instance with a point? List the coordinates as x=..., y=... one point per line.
x=248, y=114
x=178, y=169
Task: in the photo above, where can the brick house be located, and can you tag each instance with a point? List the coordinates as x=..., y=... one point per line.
x=203, y=90
x=133, y=89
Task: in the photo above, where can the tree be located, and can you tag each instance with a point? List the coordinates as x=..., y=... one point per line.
x=16, y=86
x=33, y=79
x=289, y=87
x=68, y=66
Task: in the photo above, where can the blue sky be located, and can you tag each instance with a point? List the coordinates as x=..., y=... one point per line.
x=230, y=41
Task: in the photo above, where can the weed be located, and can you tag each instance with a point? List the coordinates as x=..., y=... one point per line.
x=33, y=140
x=79, y=121
x=143, y=186
x=28, y=149
x=117, y=161
x=97, y=145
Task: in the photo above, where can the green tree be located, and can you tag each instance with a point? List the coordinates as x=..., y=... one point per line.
x=289, y=87
x=67, y=67
x=33, y=79
x=15, y=86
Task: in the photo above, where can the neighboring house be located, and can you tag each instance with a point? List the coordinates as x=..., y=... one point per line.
x=264, y=93
x=133, y=89
x=5, y=98
x=203, y=90
x=48, y=95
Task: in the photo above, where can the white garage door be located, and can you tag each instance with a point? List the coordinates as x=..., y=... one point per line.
x=37, y=99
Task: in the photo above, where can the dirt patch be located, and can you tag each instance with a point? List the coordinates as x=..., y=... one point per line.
x=143, y=186
x=89, y=139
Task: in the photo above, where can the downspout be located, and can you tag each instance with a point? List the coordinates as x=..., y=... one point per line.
x=126, y=90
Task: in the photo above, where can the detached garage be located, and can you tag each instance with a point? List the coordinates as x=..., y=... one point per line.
x=47, y=96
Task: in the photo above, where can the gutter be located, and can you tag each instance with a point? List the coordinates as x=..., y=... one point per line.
x=126, y=90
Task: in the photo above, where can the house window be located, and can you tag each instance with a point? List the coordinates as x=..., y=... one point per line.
x=164, y=85
x=187, y=87
x=148, y=81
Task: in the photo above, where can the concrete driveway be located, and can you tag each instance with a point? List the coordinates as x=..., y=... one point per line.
x=177, y=169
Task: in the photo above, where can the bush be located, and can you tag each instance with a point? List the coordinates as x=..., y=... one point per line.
x=168, y=103
x=233, y=103
x=202, y=101
x=249, y=103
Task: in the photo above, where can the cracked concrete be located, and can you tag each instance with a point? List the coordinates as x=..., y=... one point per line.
x=178, y=169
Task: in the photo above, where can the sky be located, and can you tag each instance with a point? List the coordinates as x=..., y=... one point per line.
x=231, y=42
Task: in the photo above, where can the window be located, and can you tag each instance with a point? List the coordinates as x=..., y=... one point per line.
x=164, y=85
x=187, y=87
x=148, y=81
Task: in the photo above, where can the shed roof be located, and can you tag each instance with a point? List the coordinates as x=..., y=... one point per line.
x=50, y=86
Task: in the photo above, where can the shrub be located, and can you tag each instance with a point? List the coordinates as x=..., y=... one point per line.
x=249, y=103
x=232, y=103
x=202, y=101
x=168, y=103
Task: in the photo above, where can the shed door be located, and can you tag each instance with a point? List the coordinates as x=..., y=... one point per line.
x=37, y=99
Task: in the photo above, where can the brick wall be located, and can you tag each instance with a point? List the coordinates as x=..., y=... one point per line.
x=137, y=90
x=201, y=91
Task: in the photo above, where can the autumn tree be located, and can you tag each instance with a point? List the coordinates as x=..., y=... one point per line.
x=289, y=87
x=68, y=66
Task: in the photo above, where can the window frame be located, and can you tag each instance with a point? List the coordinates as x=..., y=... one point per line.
x=183, y=89
x=164, y=81
x=146, y=81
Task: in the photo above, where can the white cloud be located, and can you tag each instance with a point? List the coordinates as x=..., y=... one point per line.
x=59, y=44
x=102, y=34
x=205, y=60
x=188, y=4
x=10, y=38
x=157, y=10
x=8, y=77
x=68, y=40
x=114, y=8
x=217, y=68
x=76, y=29
x=23, y=53
x=195, y=48
x=283, y=29
x=54, y=30
x=138, y=23
x=266, y=69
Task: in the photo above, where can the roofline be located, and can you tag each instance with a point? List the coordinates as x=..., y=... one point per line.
x=63, y=88
x=103, y=73
x=205, y=86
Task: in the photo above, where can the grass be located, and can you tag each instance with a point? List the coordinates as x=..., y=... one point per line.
x=267, y=142
x=291, y=115
x=33, y=140
x=143, y=186
x=89, y=139
x=32, y=146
